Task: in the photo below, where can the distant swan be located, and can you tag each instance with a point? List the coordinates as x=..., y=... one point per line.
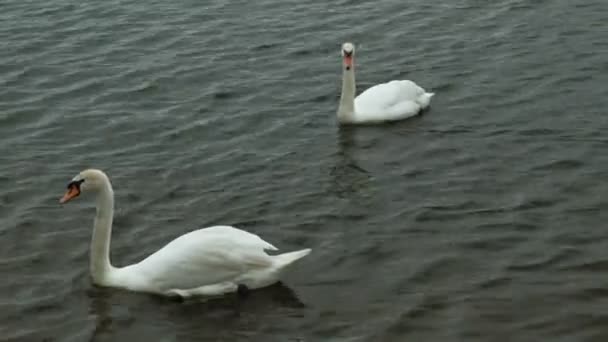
x=205, y=262
x=390, y=101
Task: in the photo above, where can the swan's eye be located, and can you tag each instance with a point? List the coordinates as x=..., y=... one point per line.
x=75, y=183
x=347, y=53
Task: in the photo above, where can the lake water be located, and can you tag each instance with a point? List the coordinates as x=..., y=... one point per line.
x=482, y=220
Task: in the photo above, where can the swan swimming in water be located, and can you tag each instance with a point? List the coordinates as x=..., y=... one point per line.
x=205, y=262
x=395, y=100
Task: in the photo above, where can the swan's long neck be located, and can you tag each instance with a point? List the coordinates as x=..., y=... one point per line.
x=102, y=233
x=346, y=110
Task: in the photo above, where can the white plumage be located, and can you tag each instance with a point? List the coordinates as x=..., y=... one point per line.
x=209, y=261
x=394, y=100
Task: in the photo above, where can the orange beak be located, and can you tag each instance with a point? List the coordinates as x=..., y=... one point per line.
x=72, y=192
x=348, y=61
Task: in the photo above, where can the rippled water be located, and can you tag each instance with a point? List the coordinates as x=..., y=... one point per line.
x=482, y=220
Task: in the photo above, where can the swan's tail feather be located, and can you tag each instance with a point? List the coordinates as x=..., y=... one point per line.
x=285, y=259
x=425, y=100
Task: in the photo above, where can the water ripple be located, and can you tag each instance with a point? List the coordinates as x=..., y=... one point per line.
x=474, y=221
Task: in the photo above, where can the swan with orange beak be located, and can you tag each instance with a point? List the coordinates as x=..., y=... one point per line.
x=395, y=100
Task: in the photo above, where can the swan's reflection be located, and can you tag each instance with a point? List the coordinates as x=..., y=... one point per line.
x=100, y=308
x=348, y=177
x=121, y=315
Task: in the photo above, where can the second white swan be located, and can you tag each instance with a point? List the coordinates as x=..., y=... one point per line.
x=395, y=100
x=205, y=262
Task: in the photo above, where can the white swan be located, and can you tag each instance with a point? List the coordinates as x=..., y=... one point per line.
x=390, y=101
x=206, y=262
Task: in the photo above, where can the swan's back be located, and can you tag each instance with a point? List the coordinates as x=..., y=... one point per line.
x=394, y=100
x=205, y=256
x=386, y=95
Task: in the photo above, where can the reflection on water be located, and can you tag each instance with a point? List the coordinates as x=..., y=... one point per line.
x=348, y=177
x=113, y=311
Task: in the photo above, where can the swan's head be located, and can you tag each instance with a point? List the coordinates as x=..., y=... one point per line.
x=348, y=52
x=87, y=180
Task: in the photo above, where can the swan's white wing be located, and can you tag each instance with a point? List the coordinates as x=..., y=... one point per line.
x=204, y=257
x=384, y=97
x=236, y=234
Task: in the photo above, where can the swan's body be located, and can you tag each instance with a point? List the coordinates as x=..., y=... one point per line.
x=209, y=261
x=394, y=100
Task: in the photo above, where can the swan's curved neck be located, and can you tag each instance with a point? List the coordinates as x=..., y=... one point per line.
x=102, y=234
x=346, y=110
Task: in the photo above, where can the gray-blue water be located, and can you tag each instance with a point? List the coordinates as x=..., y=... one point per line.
x=482, y=220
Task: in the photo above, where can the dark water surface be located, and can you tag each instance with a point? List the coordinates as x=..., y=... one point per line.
x=482, y=220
